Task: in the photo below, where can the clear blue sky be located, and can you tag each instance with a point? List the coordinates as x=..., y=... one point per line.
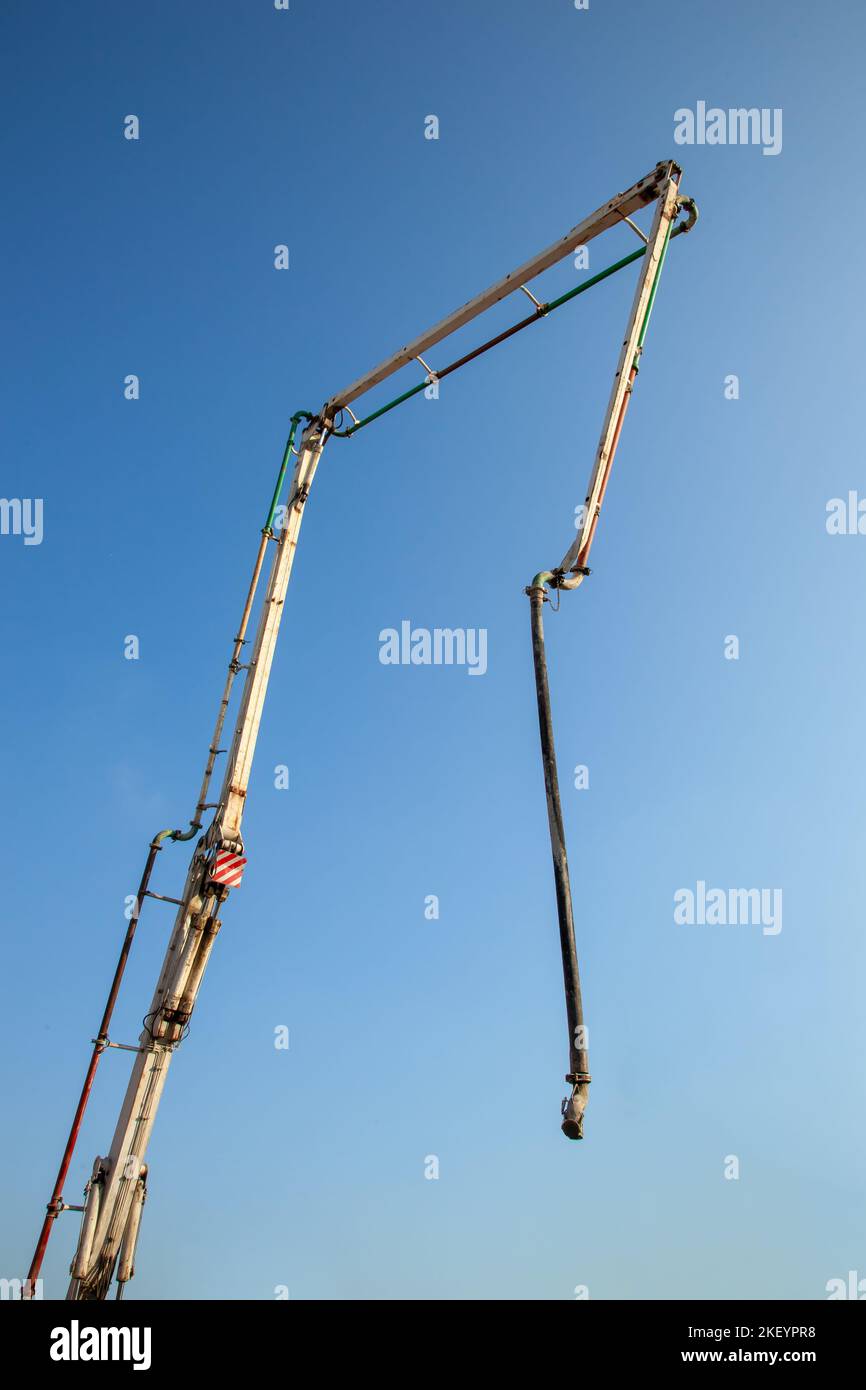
x=410, y=1037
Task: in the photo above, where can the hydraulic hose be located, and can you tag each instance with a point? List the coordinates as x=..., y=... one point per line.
x=578, y=1074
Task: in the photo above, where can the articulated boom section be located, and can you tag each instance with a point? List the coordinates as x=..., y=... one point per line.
x=116, y=1192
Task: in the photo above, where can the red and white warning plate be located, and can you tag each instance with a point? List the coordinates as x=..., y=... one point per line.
x=228, y=868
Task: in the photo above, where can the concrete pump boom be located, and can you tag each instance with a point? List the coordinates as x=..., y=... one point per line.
x=115, y=1193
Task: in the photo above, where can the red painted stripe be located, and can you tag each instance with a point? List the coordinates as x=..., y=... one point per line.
x=228, y=869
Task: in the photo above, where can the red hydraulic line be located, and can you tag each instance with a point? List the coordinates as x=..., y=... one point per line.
x=584, y=552
x=55, y=1206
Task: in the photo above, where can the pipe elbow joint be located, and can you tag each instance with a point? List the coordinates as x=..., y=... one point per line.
x=572, y=580
x=539, y=583
x=557, y=579
x=691, y=209
x=194, y=827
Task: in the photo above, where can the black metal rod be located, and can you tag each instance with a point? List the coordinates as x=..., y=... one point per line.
x=572, y=1125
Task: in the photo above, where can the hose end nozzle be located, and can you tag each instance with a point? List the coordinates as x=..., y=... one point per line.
x=572, y=1112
